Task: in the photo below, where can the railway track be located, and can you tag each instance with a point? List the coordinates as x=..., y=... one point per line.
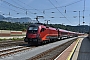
x=9, y=43
x=13, y=50
x=51, y=54
x=47, y=55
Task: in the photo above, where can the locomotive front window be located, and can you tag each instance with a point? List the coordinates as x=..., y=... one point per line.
x=33, y=28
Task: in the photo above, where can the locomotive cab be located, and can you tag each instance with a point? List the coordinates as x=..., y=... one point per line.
x=32, y=35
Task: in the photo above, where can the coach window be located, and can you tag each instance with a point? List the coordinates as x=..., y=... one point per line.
x=43, y=29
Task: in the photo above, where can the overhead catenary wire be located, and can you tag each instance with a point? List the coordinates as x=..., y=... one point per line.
x=21, y=8
x=58, y=10
x=25, y=10
x=3, y=13
x=3, y=6
x=24, y=7
x=15, y=6
x=43, y=12
x=64, y=11
x=32, y=7
x=29, y=6
x=65, y=5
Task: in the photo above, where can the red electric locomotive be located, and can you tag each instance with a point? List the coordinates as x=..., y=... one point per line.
x=39, y=33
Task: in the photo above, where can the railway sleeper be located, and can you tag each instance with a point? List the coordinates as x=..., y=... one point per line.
x=13, y=52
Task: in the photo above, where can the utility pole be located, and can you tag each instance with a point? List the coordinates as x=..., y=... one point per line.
x=83, y=12
x=84, y=5
x=47, y=21
x=79, y=18
x=83, y=17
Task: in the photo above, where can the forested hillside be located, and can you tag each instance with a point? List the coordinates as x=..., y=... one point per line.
x=23, y=26
x=12, y=26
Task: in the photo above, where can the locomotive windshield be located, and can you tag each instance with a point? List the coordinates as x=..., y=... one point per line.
x=32, y=29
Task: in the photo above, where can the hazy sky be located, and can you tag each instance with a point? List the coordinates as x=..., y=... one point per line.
x=53, y=10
